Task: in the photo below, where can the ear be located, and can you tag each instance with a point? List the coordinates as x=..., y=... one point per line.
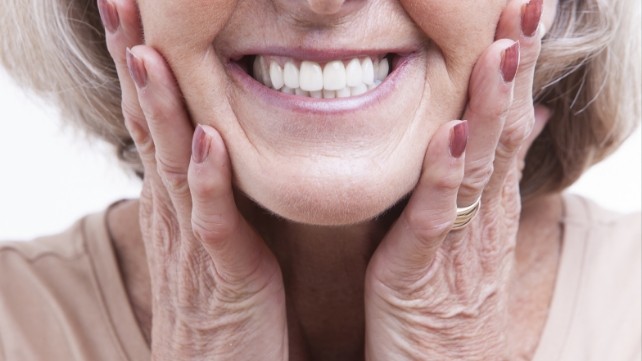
x=542, y=115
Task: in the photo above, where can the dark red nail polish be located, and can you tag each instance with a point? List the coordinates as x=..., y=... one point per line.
x=459, y=139
x=108, y=15
x=200, y=145
x=531, y=14
x=510, y=62
x=136, y=69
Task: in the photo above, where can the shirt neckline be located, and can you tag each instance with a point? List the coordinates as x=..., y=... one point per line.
x=113, y=293
x=568, y=281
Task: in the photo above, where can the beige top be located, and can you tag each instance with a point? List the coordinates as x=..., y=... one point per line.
x=62, y=297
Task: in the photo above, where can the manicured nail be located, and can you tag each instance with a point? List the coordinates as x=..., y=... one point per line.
x=510, y=62
x=108, y=15
x=200, y=145
x=136, y=69
x=531, y=14
x=459, y=139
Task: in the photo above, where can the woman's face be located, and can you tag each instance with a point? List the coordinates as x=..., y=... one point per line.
x=323, y=161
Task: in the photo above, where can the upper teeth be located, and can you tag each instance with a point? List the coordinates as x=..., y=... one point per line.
x=335, y=79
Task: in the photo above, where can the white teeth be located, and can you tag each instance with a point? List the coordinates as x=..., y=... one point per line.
x=311, y=76
x=368, y=71
x=334, y=75
x=329, y=94
x=358, y=90
x=302, y=93
x=261, y=72
x=354, y=74
x=291, y=75
x=276, y=75
x=343, y=93
x=335, y=79
x=382, y=70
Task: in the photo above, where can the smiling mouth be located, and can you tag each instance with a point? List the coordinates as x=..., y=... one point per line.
x=343, y=78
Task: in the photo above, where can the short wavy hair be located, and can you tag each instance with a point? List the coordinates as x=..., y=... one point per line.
x=588, y=75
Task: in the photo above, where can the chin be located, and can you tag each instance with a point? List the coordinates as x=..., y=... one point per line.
x=332, y=201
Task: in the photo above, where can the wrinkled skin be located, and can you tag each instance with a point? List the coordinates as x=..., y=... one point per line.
x=221, y=269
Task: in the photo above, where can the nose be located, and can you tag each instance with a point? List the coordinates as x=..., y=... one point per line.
x=326, y=7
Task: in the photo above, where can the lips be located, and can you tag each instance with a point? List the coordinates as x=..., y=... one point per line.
x=332, y=79
x=370, y=76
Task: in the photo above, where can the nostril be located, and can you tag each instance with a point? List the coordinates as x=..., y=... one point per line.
x=326, y=7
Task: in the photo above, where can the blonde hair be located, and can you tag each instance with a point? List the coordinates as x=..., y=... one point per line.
x=588, y=74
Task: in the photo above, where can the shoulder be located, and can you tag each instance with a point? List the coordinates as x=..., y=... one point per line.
x=604, y=248
x=65, y=245
x=610, y=231
x=49, y=296
x=610, y=243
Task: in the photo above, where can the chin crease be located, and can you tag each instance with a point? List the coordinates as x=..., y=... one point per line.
x=337, y=211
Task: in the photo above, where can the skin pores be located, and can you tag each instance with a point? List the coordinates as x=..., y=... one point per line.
x=313, y=161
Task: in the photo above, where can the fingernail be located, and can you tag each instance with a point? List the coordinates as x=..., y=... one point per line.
x=200, y=145
x=108, y=15
x=510, y=62
x=136, y=69
x=459, y=139
x=531, y=14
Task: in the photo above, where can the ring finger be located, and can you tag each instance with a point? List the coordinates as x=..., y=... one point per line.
x=490, y=95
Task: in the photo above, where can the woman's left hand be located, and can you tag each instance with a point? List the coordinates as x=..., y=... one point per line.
x=433, y=293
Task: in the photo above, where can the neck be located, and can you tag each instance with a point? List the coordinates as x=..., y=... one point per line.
x=324, y=270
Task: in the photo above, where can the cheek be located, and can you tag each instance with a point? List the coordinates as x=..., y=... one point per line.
x=461, y=29
x=186, y=25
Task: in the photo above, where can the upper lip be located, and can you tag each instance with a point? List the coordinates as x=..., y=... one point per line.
x=319, y=55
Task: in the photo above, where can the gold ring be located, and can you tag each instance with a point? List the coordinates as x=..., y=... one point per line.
x=465, y=215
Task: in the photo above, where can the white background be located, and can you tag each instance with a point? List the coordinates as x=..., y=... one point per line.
x=49, y=176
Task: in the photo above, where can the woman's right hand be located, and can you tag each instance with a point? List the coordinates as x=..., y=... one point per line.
x=217, y=290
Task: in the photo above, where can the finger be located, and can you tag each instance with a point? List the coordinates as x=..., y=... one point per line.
x=490, y=95
x=168, y=123
x=236, y=250
x=521, y=21
x=123, y=30
x=411, y=244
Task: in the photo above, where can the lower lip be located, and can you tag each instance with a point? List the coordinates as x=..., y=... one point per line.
x=310, y=105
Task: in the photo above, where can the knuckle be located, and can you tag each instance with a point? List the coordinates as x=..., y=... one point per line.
x=448, y=183
x=174, y=178
x=155, y=113
x=213, y=228
x=143, y=142
x=488, y=106
x=166, y=231
x=116, y=50
x=146, y=149
x=515, y=134
x=529, y=53
x=428, y=225
x=131, y=110
x=203, y=187
x=477, y=176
